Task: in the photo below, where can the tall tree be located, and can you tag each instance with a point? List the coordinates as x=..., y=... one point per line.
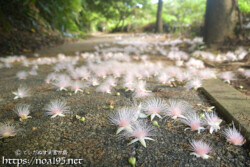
x=220, y=20
x=159, y=25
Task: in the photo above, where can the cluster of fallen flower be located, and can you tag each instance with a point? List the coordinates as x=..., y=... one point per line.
x=128, y=120
x=106, y=69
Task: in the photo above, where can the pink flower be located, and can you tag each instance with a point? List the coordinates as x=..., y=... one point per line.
x=57, y=108
x=177, y=109
x=7, y=130
x=163, y=78
x=84, y=74
x=200, y=149
x=123, y=118
x=194, y=121
x=213, y=121
x=177, y=55
x=138, y=111
x=22, y=92
x=140, y=132
x=110, y=81
x=22, y=75
x=129, y=86
x=138, y=74
x=183, y=76
x=93, y=82
x=63, y=81
x=227, y=76
x=117, y=73
x=231, y=56
x=22, y=110
x=33, y=72
x=192, y=62
x=154, y=107
x=179, y=63
x=104, y=88
x=75, y=74
x=172, y=71
x=77, y=86
x=51, y=77
x=194, y=84
x=129, y=78
x=233, y=136
x=207, y=74
x=140, y=90
x=147, y=73
x=100, y=72
x=26, y=63
x=246, y=73
x=129, y=82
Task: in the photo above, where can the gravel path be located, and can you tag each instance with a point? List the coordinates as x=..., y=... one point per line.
x=94, y=140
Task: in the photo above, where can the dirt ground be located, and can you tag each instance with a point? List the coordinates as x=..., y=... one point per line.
x=93, y=142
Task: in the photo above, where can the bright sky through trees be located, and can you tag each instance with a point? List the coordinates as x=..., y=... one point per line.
x=154, y=1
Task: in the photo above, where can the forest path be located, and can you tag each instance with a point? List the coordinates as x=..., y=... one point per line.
x=94, y=141
x=88, y=44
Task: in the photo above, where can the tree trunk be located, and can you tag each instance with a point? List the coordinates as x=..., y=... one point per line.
x=122, y=29
x=159, y=25
x=220, y=20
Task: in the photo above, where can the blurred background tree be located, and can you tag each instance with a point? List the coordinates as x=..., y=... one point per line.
x=78, y=17
x=222, y=18
x=159, y=25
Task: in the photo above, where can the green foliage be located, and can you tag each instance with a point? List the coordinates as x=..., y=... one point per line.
x=183, y=13
x=60, y=14
x=176, y=14
x=76, y=17
x=244, y=6
x=56, y=14
x=115, y=13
